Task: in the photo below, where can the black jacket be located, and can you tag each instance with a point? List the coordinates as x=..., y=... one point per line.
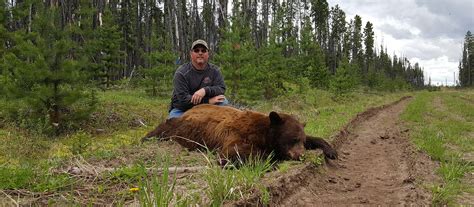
x=187, y=80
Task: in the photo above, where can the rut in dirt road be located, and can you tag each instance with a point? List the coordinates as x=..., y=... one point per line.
x=377, y=166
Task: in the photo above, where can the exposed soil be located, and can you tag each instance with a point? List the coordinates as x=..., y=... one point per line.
x=377, y=165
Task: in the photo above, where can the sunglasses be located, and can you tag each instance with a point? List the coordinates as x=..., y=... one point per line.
x=196, y=50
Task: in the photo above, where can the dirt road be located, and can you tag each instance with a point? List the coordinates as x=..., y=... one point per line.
x=377, y=165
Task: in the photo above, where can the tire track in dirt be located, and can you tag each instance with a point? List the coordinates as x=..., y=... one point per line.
x=377, y=166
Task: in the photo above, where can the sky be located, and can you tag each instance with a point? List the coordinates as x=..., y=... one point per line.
x=430, y=32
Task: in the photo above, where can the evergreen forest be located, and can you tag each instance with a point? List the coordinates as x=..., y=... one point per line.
x=57, y=54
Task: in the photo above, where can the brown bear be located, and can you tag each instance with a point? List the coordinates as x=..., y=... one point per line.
x=237, y=134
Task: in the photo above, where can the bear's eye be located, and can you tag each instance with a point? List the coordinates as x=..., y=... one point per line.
x=295, y=140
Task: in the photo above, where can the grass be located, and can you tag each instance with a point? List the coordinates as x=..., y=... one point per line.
x=15, y=178
x=158, y=191
x=442, y=126
x=323, y=115
x=224, y=185
x=37, y=164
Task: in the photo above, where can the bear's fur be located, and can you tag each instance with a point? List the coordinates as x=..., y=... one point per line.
x=237, y=134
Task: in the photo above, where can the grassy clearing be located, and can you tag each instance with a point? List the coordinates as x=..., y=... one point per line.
x=442, y=125
x=38, y=166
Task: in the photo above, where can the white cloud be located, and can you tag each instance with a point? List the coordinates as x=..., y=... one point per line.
x=441, y=70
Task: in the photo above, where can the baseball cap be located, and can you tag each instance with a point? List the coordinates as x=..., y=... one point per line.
x=199, y=42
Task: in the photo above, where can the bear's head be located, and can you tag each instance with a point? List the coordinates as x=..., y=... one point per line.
x=287, y=135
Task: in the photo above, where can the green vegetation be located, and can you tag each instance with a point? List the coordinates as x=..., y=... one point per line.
x=159, y=190
x=37, y=163
x=442, y=125
x=224, y=185
x=54, y=58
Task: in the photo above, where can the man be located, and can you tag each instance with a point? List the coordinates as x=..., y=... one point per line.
x=197, y=82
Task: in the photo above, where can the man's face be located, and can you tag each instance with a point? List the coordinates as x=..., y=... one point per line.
x=199, y=55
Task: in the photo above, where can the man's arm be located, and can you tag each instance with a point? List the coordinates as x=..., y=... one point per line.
x=218, y=88
x=181, y=90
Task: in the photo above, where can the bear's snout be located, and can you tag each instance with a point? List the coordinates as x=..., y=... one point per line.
x=295, y=152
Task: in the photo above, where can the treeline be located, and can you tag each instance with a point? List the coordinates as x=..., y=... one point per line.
x=466, y=64
x=56, y=53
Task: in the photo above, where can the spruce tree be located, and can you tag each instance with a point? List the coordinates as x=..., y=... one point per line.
x=3, y=30
x=158, y=77
x=369, y=47
x=237, y=60
x=271, y=72
x=345, y=79
x=3, y=43
x=320, y=14
x=272, y=58
x=471, y=57
x=43, y=79
x=311, y=62
x=356, y=42
x=466, y=65
x=338, y=28
x=107, y=51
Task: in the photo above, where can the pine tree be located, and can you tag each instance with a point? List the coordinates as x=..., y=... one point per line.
x=369, y=47
x=320, y=13
x=264, y=24
x=471, y=57
x=311, y=62
x=3, y=30
x=466, y=68
x=338, y=28
x=356, y=42
x=43, y=78
x=235, y=58
x=129, y=24
x=4, y=36
x=345, y=79
x=197, y=23
x=347, y=40
x=290, y=31
x=272, y=69
x=108, y=53
x=158, y=77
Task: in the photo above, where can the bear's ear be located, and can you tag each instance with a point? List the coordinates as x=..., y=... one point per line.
x=275, y=119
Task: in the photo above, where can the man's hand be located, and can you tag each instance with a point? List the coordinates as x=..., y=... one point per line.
x=217, y=99
x=197, y=96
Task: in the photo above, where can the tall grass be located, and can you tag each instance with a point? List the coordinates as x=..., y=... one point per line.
x=439, y=127
x=159, y=190
x=225, y=184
